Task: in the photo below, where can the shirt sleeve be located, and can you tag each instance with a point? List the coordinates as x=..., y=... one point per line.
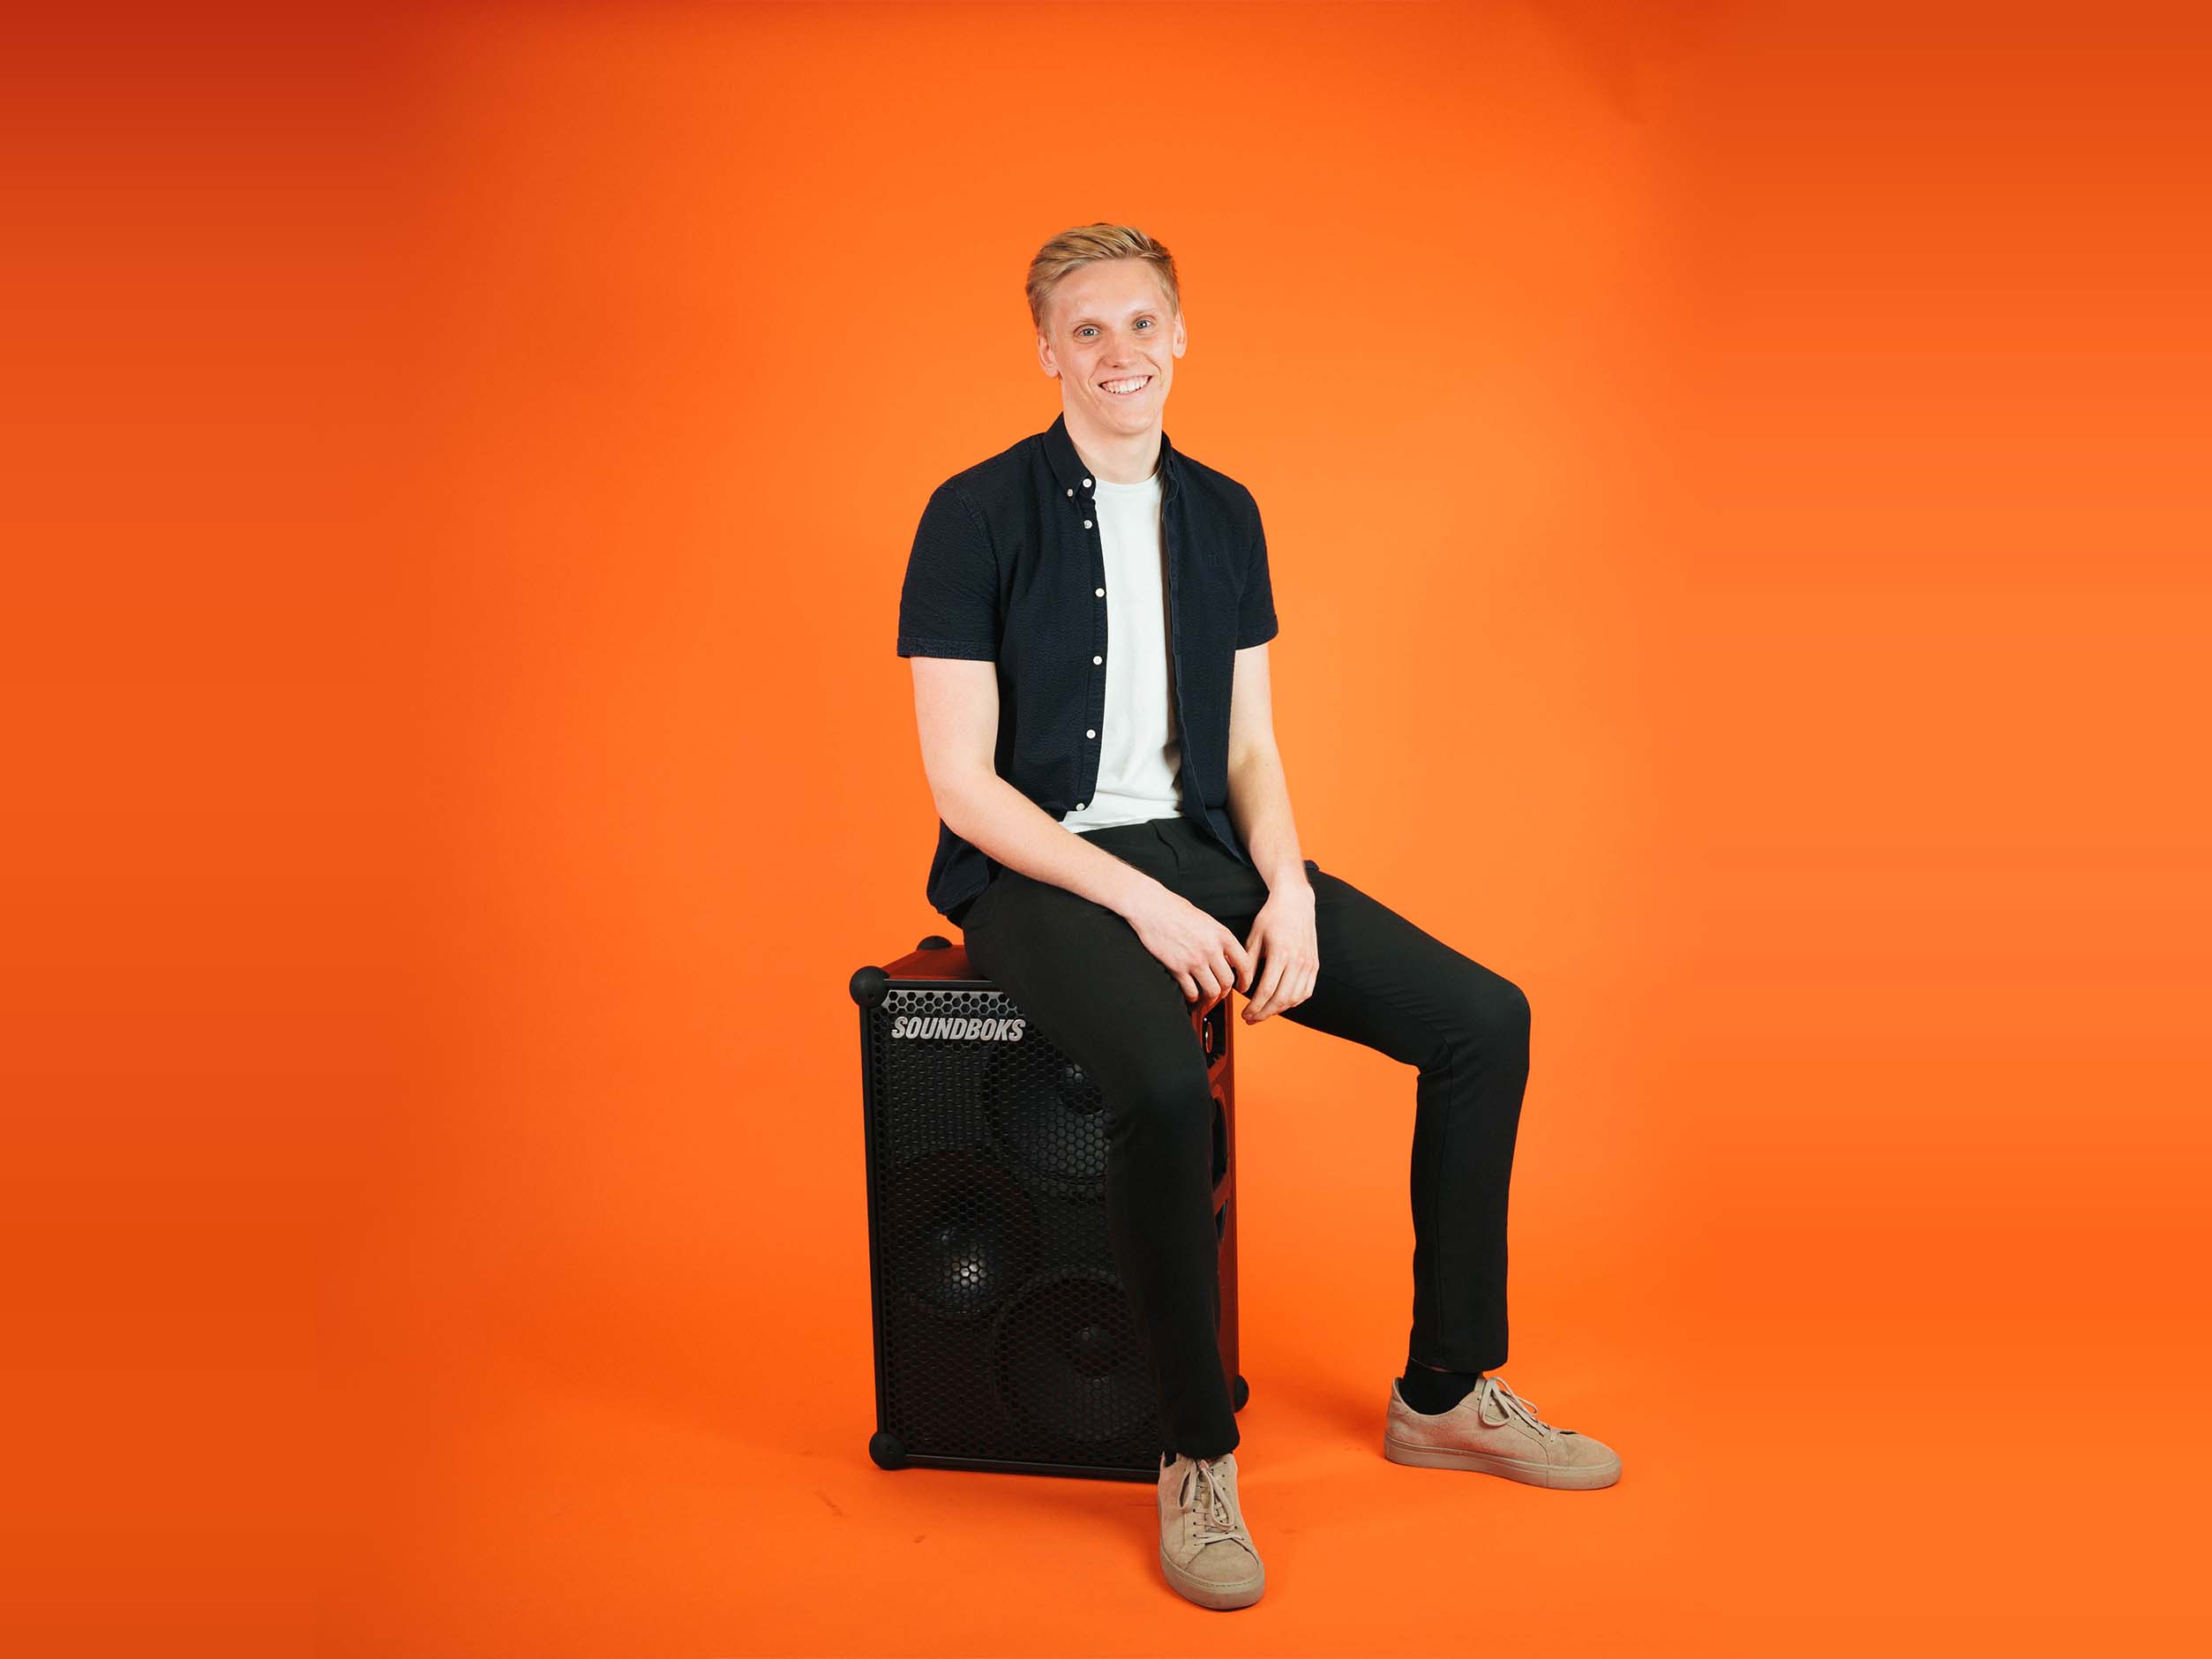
x=1256, y=623
x=949, y=603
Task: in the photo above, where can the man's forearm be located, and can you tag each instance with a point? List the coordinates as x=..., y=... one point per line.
x=1259, y=806
x=990, y=814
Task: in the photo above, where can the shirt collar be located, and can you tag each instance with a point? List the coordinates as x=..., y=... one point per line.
x=1072, y=475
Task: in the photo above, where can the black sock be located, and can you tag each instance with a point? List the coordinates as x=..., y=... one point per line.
x=1430, y=1392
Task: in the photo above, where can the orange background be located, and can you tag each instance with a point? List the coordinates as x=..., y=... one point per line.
x=462, y=467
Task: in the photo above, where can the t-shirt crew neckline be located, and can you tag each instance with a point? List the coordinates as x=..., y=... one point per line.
x=1107, y=486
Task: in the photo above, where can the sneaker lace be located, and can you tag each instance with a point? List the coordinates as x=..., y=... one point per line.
x=1493, y=1390
x=1215, y=1520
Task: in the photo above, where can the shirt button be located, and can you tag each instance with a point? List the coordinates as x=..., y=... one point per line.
x=1091, y=733
x=1099, y=592
x=1079, y=806
x=1071, y=493
x=1086, y=523
x=1098, y=659
x=1086, y=484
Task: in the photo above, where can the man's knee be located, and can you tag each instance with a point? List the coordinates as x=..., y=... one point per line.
x=1492, y=1022
x=1164, y=1101
x=1505, y=1006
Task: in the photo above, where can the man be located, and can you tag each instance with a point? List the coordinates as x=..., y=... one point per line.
x=1088, y=614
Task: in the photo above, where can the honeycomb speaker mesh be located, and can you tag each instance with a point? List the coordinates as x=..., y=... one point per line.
x=1046, y=1112
x=960, y=1232
x=1066, y=1362
x=1004, y=1336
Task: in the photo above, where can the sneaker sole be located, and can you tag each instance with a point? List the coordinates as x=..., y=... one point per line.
x=1432, y=1457
x=1207, y=1594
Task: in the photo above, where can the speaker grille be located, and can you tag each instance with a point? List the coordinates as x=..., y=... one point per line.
x=1007, y=1334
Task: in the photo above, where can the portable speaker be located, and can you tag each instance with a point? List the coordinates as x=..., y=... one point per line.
x=1003, y=1337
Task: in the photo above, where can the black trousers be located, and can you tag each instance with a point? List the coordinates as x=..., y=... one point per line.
x=1079, y=970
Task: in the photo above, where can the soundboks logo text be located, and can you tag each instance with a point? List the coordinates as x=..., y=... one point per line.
x=988, y=1031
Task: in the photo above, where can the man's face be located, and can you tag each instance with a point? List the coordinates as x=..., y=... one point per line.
x=1110, y=324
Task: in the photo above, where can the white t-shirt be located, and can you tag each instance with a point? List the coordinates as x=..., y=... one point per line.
x=1140, y=750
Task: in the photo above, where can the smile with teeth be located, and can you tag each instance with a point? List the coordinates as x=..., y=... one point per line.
x=1129, y=387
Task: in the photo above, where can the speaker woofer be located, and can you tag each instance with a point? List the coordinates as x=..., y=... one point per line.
x=962, y=1232
x=1066, y=1358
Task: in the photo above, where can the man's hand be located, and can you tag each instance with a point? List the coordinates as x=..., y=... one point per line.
x=1203, y=955
x=1283, y=940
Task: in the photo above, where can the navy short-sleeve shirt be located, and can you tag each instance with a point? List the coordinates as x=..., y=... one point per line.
x=1007, y=567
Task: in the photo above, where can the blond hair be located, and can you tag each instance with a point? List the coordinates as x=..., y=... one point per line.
x=1090, y=244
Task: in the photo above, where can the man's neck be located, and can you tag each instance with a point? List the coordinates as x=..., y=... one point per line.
x=1113, y=456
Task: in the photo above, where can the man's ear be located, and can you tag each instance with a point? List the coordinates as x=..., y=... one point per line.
x=1045, y=358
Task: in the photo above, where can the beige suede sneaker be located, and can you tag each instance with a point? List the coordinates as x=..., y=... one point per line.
x=1497, y=1431
x=1204, y=1549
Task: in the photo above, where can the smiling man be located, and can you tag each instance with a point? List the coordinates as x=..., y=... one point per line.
x=1088, y=613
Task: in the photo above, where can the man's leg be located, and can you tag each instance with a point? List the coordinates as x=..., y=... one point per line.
x=1388, y=984
x=1385, y=983
x=1080, y=973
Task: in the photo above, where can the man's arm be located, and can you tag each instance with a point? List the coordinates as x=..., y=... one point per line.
x=1259, y=796
x=957, y=706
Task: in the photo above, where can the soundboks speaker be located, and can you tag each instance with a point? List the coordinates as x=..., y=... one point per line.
x=1003, y=1337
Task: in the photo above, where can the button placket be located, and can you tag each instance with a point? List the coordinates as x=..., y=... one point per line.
x=1092, y=732
x=1097, y=660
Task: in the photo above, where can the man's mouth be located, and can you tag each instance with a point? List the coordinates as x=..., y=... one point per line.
x=1130, y=387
